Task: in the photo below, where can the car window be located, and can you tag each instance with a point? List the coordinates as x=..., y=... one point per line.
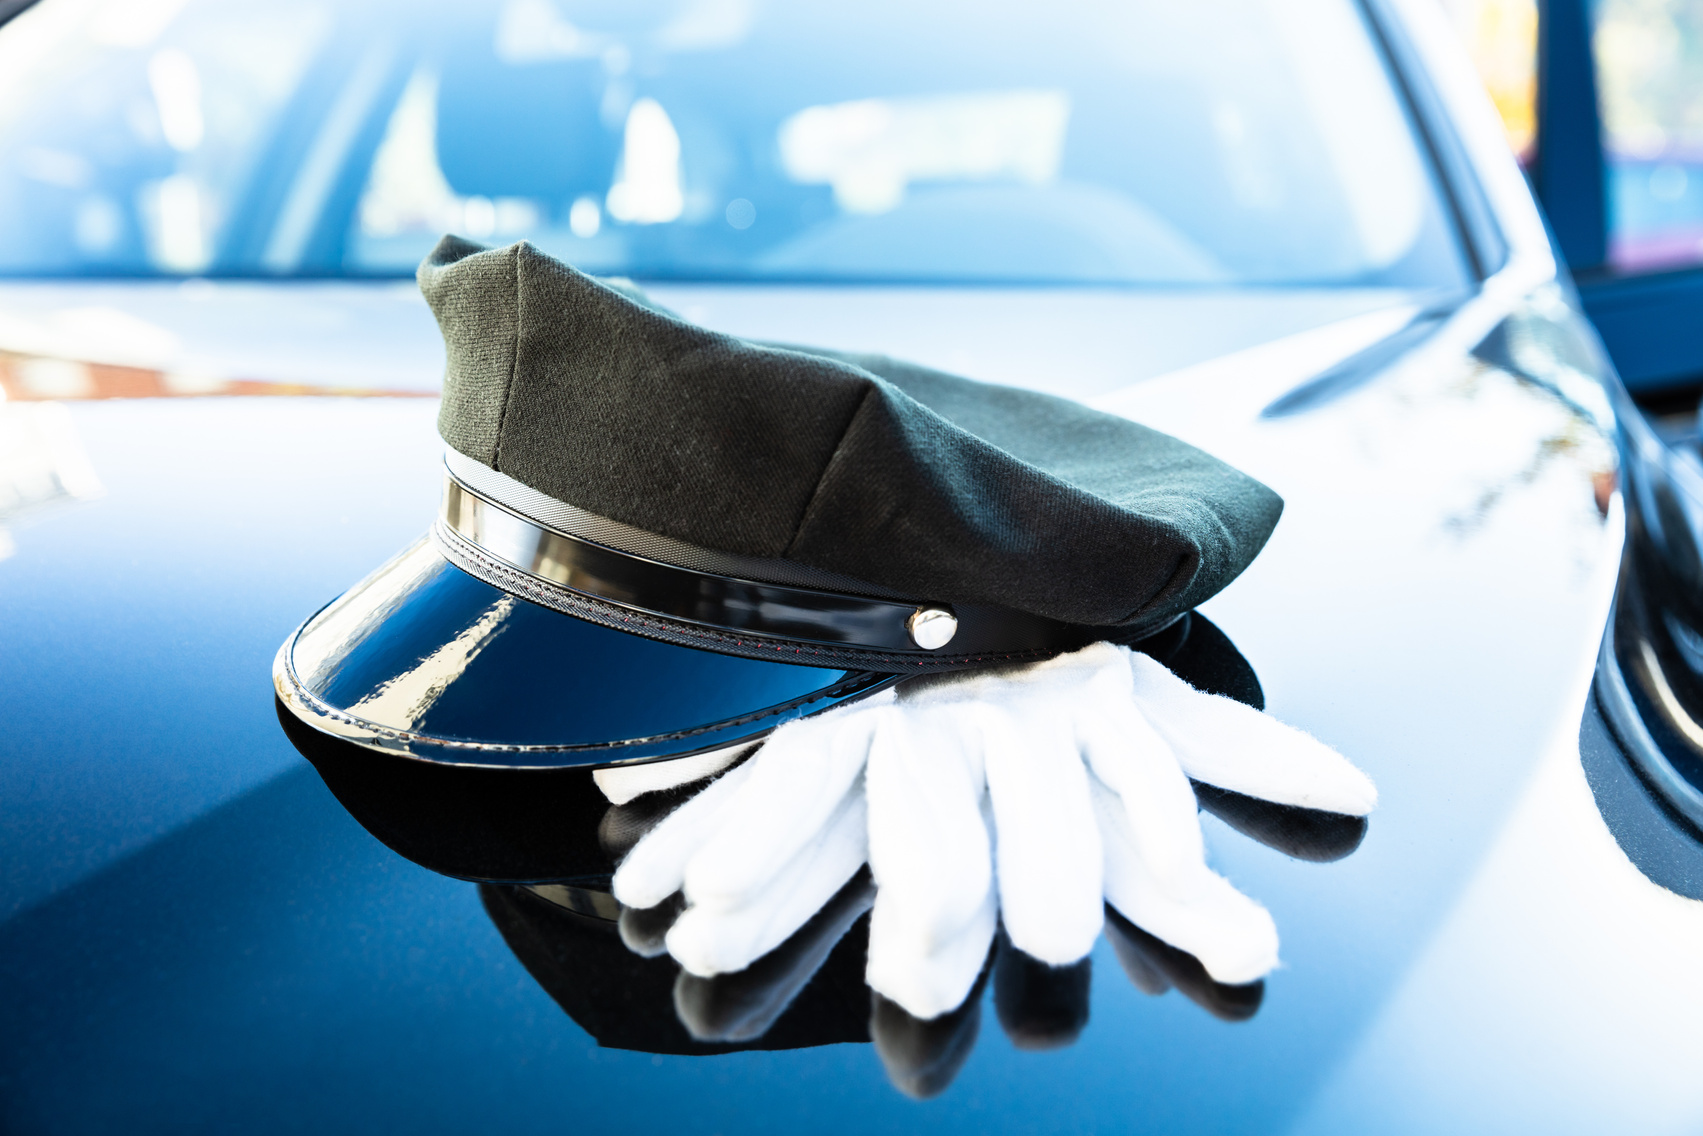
x=1154, y=143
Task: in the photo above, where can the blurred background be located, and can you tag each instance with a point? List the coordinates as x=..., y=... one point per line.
x=228, y=197
x=1603, y=102
x=702, y=141
x=1649, y=76
x=262, y=139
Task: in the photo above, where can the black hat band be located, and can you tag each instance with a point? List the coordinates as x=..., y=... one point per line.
x=729, y=614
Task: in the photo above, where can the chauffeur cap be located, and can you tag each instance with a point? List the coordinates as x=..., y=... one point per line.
x=657, y=539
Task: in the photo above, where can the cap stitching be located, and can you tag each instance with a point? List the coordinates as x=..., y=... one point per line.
x=799, y=523
x=514, y=361
x=320, y=707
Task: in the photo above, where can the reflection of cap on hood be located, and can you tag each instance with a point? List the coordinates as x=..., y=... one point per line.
x=467, y=821
x=918, y=482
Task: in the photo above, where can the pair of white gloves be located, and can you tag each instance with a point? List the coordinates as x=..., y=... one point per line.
x=1035, y=794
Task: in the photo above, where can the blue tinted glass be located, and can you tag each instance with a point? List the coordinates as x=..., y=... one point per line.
x=456, y=658
x=1248, y=141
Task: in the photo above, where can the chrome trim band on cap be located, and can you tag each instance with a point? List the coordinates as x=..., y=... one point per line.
x=525, y=501
x=725, y=613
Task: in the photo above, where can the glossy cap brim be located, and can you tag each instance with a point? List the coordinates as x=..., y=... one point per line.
x=424, y=659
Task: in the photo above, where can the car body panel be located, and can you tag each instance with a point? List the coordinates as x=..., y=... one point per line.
x=199, y=936
x=216, y=882
x=379, y=335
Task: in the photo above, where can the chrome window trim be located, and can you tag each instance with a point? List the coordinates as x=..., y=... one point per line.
x=1475, y=223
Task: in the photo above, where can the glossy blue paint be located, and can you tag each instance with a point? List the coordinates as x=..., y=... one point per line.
x=202, y=938
x=386, y=989
x=135, y=621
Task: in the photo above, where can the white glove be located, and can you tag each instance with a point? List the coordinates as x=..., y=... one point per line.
x=1071, y=774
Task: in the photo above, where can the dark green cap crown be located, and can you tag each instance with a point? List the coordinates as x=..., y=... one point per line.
x=933, y=486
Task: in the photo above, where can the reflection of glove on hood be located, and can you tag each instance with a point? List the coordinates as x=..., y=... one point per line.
x=628, y=1002
x=905, y=478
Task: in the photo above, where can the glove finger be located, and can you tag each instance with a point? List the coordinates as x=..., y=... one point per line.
x=1049, y=858
x=1224, y=743
x=742, y=1006
x=1128, y=756
x=625, y=782
x=656, y=867
x=928, y=840
x=711, y=939
x=1197, y=911
x=927, y=978
x=801, y=778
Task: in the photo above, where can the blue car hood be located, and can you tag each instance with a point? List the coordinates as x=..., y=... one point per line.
x=197, y=935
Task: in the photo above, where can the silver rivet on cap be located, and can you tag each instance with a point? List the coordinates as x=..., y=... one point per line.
x=932, y=627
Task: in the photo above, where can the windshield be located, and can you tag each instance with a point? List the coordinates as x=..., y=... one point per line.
x=1149, y=143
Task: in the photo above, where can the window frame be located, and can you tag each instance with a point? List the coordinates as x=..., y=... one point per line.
x=1484, y=244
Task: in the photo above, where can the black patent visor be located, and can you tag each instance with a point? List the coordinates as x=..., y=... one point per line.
x=424, y=659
